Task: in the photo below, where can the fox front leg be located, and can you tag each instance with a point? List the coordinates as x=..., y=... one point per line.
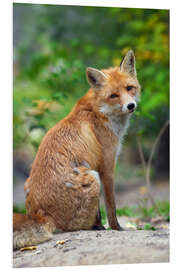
x=108, y=187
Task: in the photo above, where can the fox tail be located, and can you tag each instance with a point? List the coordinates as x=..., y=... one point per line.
x=28, y=232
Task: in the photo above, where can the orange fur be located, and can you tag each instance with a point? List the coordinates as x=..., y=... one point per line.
x=63, y=187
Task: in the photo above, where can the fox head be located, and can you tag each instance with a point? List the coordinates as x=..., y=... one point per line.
x=117, y=89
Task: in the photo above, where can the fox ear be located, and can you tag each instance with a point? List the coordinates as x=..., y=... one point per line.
x=95, y=77
x=128, y=64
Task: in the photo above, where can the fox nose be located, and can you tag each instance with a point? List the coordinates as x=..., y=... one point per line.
x=130, y=106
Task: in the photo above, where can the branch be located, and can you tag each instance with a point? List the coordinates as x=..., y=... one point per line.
x=147, y=166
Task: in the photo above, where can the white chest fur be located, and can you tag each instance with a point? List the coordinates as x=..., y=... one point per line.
x=118, y=124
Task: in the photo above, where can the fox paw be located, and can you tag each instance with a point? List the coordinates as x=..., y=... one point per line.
x=98, y=227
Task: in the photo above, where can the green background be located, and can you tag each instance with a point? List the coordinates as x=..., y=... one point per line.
x=54, y=44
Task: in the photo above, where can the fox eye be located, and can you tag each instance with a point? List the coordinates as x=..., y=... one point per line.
x=129, y=87
x=114, y=96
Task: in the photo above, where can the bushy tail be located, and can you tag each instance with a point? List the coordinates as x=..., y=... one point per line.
x=28, y=232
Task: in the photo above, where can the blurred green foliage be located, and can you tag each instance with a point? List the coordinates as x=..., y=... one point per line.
x=54, y=44
x=148, y=226
x=19, y=209
x=161, y=208
x=125, y=211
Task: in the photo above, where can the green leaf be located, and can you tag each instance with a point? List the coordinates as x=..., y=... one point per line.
x=149, y=227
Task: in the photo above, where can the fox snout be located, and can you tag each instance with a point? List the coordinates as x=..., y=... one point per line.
x=129, y=107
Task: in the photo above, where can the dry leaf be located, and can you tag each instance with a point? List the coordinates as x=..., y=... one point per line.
x=143, y=190
x=131, y=225
x=157, y=219
x=28, y=248
x=42, y=106
x=165, y=226
x=135, y=221
x=61, y=242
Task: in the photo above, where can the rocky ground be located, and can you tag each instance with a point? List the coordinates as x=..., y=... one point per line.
x=99, y=247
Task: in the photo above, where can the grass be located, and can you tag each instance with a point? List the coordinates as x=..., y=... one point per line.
x=125, y=211
x=161, y=208
x=103, y=215
x=19, y=208
x=146, y=213
x=148, y=226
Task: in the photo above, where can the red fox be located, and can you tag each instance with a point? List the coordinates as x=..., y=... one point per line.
x=76, y=156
